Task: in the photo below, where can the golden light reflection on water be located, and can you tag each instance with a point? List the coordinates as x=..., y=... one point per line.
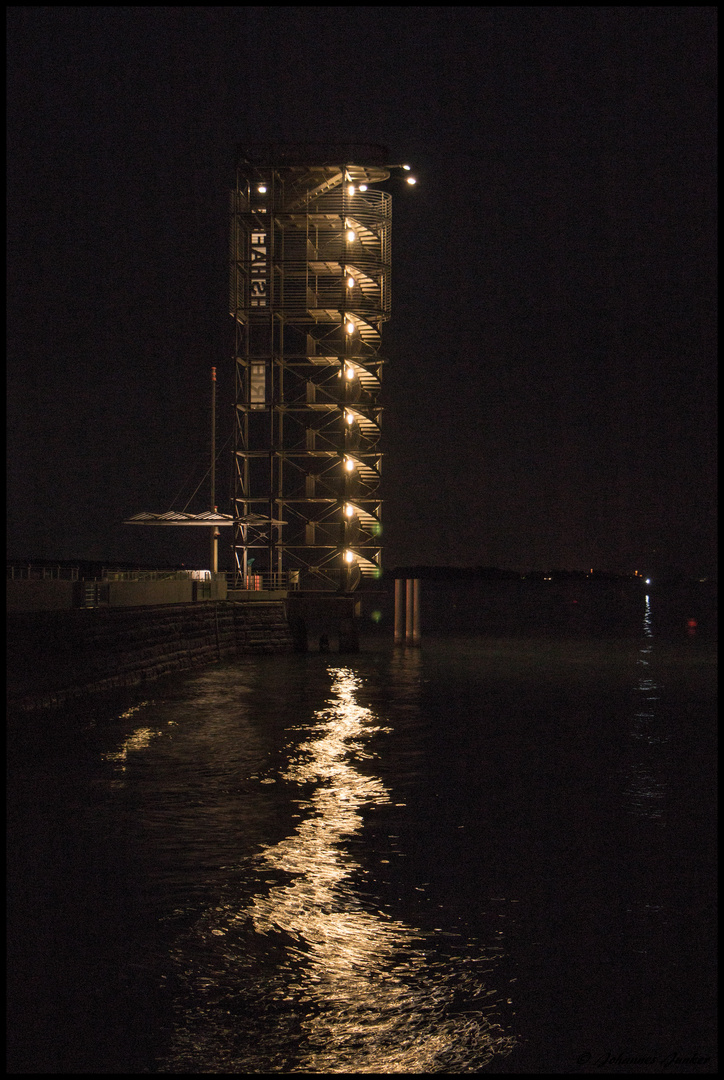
x=365, y=992
x=645, y=789
x=137, y=740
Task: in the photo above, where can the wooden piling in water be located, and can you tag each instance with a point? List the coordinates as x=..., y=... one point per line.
x=399, y=612
x=409, y=609
x=407, y=612
x=416, y=639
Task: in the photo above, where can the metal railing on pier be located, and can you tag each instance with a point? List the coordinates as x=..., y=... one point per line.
x=56, y=572
x=264, y=582
x=150, y=575
x=330, y=580
x=42, y=573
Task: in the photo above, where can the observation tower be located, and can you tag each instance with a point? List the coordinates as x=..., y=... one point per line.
x=310, y=291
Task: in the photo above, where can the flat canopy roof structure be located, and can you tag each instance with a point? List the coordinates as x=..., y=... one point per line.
x=173, y=517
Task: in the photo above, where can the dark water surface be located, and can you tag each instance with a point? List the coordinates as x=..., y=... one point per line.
x=494, y=854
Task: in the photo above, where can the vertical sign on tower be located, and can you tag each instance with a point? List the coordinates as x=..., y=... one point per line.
x=259, y=297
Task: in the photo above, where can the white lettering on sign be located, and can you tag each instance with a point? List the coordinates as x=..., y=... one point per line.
x=257, y=386
x=258, y=292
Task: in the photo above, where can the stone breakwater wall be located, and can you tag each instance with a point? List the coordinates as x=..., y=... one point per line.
x=57, y=656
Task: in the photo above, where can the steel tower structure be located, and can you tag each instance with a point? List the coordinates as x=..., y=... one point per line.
x=310, y=290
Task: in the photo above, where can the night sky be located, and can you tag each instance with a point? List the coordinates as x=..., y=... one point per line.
x=550, y=393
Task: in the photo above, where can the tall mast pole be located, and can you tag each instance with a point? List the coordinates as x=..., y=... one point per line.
x=214, y=529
